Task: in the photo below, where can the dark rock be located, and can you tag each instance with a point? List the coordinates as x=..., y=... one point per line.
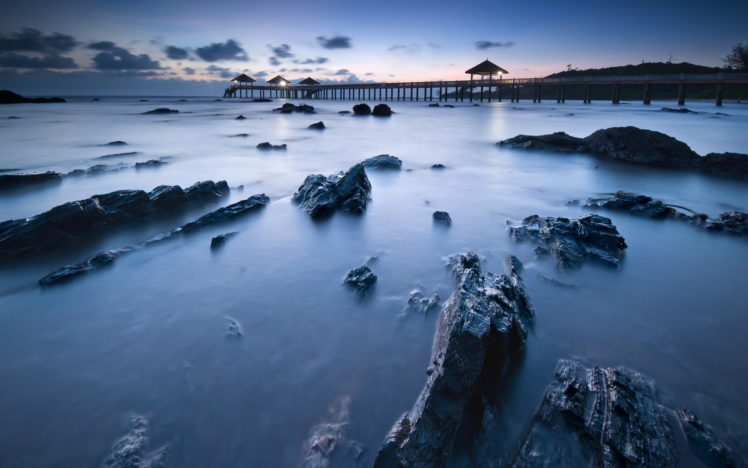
x=221, y=239
x=679, y=110
x=95, y=99
x=74, y=222
x=261, y=100
x=383, y=161
x=733, y=222
x=240, y=117
x=70, y=272
x=349, y=191
x=267, y=146
x=150, y=164
x=289, y=108
x=613, y=417
x=100, y=168
x=182, y=100
x=118, y=155
x=326, y=437
x=434, y=104
x=361, y=109
x=344, y=112
x=13, y=117
x=480, y=327
x=234, y=329
x=317, y=126
x=130, y=450
x=438, y=166
x=421, y=304
x=640, y=205
x=572, y=242
x=162, y=110
x=116, y=143
x=9, y=97
x=639, y=146
x=558, y=142
x=10, y=181
x=726, y=164
x=382, y=110
x=450, y=106
x=442, y=217
x=242, y=135
x=361, y=279
x=143, y=100
x=227, y=213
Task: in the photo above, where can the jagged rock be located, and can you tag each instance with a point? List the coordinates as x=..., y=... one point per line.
x=326, y=437
x=73, y=222
x=129, y=451
x=8, y=181
x=679, y=110
x=733, y=222
x=421, y=304
x=481, y=325
x=9, y=97
x=438, y=166
x=150, y=164
x=612, y=417
x=726, y=164
x=361, y=109
x=383, y=161
x=118, y=155
x=101, y=259
x=349, y=191
x=572, y=242
x=382, y=110
x=265, y=145
x=558, y=142
x=221, y=239
x=288, y=108
x=240, y=117
x=442, y=217
x=116, y=143
x=317, y=126
x=361, y=279
x=162, y=110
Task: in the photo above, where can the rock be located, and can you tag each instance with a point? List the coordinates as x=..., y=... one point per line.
x=361, y=109
x=321, y=196
x=70, y=272
x=13, y=117
x=261, y=100
x=434, y=104
x=480, y=327
x=98, y=169
x=680, y=110
x=12, y=181
x=221, y=239
x=227, y=213
x=438, y=166
x=382, y=110
x=383, y=161
x=317, y=126
x=265, y=145
x=129, y=451
x=116, y=143
x=9, y=97
x=74, y=222
x=726, y=164
x=95, y=99
x=733, y=222
x=162, y=110
x=150, y=164
x=142, y=100
x=639, y=146
x=234, y=329
x=241, y=135
x=421, y=304
x=450, y=106
x=344, y=112
x=325, y=437
x=442, y=217
x=118, y=155
x=240, y=117
x=558, y=142
x=572, y=242
x=361, y=279
x=613, y=417
x=288, y=108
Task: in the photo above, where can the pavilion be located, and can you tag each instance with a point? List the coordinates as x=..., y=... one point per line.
x=309, y=81
x=486, y=68
x=278, y=81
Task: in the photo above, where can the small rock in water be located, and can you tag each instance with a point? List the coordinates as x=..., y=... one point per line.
x=72, y=271
x=434, y=104
x=450, y=106
x=240, y=117
x=421, y=304
x=438, y=166
x=442, y=217
x=221, y=239
x=150, y=164
x=288, y=108
x=118, y=155
x=317, y=126
x=344, y=112
x=162, y=110
x=241, y=135
x=383, y=161
x=321, y=196
x=382, y=110
x=361, y=279
x=234, y=329
x=680, y=110
x=116, y=143
x=361, y=109
x=13, y=117
x=265, y=145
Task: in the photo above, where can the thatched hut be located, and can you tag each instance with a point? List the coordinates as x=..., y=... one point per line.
x=309, y=81
x=278, y=81
x=486, y=68
x=243, y=78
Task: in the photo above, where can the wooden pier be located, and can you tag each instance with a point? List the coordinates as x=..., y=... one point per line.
x=492, y=89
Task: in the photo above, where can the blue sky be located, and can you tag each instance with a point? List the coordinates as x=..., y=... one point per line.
x=188, y=47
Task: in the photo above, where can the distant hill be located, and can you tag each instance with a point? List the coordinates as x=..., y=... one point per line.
x=647, y=68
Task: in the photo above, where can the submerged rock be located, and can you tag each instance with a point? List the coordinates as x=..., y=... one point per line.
x=162, y=110
x=288, y=108
x=442, y=217
x=613, y=417
x=265, y=145
x=317, y=126
x=383, y=161
x=74, y=222
x=220, y=240
x=421, y=304
x=261, y=100
x=382, y=110
x=434, y=104
x=241, y=135
x=572, y=241
x=130, y=450
x=240, y=117
x=234, y=329
x=361, y=109
x=361, y=279
x=9, y=97
x=327, y=437
x=321, y=196
x=8, y=181
x=70, y=272
x=345, y=112
x=480, y=327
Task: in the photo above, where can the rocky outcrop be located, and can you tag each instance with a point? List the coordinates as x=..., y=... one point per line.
x=382, y=110
x=726, y=164
x=130, y=450
x=328, y=437
x=613, y=417
x=732, y=222
x=151, y=163
x=321, y=196
x=240, y=117
x=12, y=181
x=572, y=241
x=558, y=142
x=677, y=110
x=161, y=110
x=9, y=97
x=361, y=279
x=480, y=327
x=419, y=303
x=69, y=272
x=383, y=161
x=443, y=218
x=226, y=213
x=76, y=221
x=116, y=143
x=266, y=145
x=220, y=240
x=317, y=126
x=289, y=108
x=361, y=109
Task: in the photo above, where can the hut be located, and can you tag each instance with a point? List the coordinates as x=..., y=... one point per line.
x=243, y=78
x=309, y=81
x=278, y=81
x=486, y=68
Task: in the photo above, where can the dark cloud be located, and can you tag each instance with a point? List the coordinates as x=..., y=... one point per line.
x=274, y=61
x=175, y=53
x=261, y=74
x=32, y=40
x=335, y=42
x=229, y=50
x=488, y=44
x=13, y=60
x=220, y=71
x=189, y=70
x=281, y=51
x=117, y=58
x=102, y=45
x=369, y=74
x=312, y=61
x=342, y=71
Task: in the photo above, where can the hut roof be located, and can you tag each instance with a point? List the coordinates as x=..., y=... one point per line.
x=486, y=68
x=309, y=81
x=277, y=80
x=243, y=78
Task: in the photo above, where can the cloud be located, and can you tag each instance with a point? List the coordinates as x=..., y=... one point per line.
x=488, y=44
x=222, y=72
x=32, y=40
x=311, y=61
x=229, y=50
x=274, y=61
x=13, y=60
x=189, y=70
x=434, y=46
x=335, y=42
x=260, y=74
x=369, y=74
x=117, y=58
x=410, y=48
x=342, y=71
x=102, y=45
x=175, y=53
x=281, y=51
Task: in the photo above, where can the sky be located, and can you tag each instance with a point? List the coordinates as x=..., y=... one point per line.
x=152, y=47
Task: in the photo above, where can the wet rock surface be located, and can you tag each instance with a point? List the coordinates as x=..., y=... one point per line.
x=12, y=181
x=421, y=304
x=613, y=417
x=383, y=161
x=480, y=327
x=382, y=110
x=361, y=109
x=130, y=450
x=289, y=108
x=361, y=279
x=227, y=213
x=73, y=222
x=442, y=218
x=317, y=126
x=572, y=242
x=266, y=145
x=321, y=196
x=161, y=111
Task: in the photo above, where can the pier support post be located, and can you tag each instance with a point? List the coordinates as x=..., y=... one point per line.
x=718, y=98
x=616, y=99
x=681, y=94
x=647, y=100
x=558, y=94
